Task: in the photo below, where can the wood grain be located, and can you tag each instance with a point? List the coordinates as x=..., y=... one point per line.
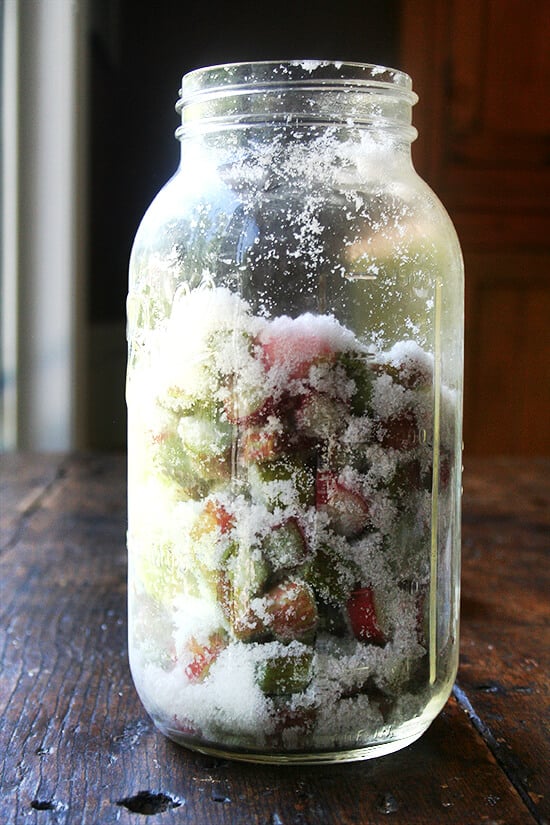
x=78, y=748
x=505, y=649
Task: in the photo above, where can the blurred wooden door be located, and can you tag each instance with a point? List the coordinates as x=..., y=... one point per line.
x=482, y=70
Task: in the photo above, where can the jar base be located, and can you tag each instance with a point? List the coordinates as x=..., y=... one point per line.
x=372, y=751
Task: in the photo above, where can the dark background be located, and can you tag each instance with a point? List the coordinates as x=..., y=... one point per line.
x=139, y=52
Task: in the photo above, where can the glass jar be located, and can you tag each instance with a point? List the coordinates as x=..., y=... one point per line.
x=294, y=389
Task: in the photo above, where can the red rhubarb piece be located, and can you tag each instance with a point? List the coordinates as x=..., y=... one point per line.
x=400, y=432
x=203, y=656
x=213, y=517
x=259, y=445
x=292, y=611
x=347, y=509
x=294, y=352
x=361, y=607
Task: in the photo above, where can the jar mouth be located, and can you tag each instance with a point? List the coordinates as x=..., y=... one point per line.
x=305, y=90
x=275, y=73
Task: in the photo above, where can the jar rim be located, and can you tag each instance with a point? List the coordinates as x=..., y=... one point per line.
x=306, y=73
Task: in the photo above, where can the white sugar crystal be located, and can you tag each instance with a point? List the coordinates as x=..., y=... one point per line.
x=388, y=398
x=411, y=358
x=184, y=365
x=324, y=328
x=195, y=619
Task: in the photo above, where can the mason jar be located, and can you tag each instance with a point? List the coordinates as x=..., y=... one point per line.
x=294, y=390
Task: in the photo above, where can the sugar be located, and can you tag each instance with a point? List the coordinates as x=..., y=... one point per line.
x=335, y=721
x=211, y=350
x=382, y=465
x=183, y=368
x=411, y=359
x=310, y=65
x=196, y=619
x=311, y=335
x=230, y=694
x=388, y=398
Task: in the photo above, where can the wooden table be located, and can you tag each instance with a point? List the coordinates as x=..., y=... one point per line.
x=78, y=747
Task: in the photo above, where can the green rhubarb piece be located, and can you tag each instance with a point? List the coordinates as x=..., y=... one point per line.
x=406, y=480
x=248, y=570
x=343, y=456
x=210, y=575
x=410, y=674
x=244, y=401
x=285, y=545
x=288, y=672
x=357, y=368
x=193, y=450
x=407, y=546
x=207, y=442
x=297, y=482
x=174, y=462
x=168, y=453
x=331, y=576
x=242, y=578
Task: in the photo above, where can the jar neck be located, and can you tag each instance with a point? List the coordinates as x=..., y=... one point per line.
x=298, y=93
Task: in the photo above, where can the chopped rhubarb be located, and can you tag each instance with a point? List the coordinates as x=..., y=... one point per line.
x=320, y=416
x=361, y=607
x=202, y=656
x=284, y=533
x=246, y=406
x=358, y=368
x=331, y=575
x=288, y=717
x=289, y=672
x=347, y=509
x=292, y=611
x=213, y=517
x=285, y=545
x=400, y=432
x=259, y=444
x=295, y=351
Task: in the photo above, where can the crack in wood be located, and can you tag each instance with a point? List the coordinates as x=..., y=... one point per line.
x=31, y=504
x=498, y=752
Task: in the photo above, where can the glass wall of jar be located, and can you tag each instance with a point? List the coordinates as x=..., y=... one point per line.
x=294, y=392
